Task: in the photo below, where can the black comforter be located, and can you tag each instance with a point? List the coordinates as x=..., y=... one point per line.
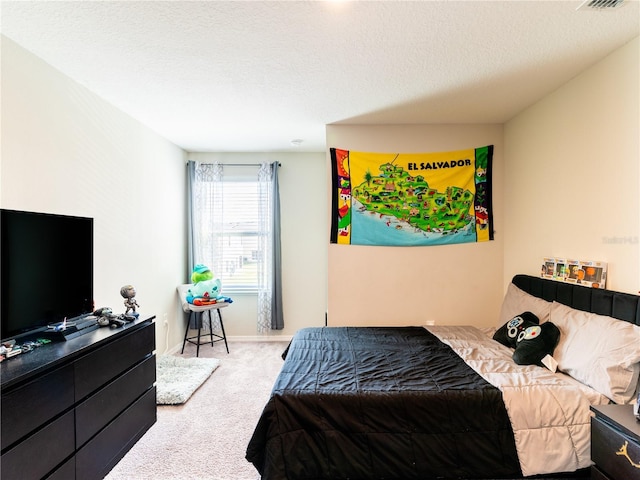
x=367, y=402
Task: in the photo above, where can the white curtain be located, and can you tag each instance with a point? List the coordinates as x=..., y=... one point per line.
x=205, y=207
x=265, y=265
x=207, y=204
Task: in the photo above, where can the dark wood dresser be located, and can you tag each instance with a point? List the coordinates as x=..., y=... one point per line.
x=72, y=409
x=615, y=443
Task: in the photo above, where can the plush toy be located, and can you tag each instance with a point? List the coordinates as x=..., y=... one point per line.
x=201, y=273
x=538, y=342
x=531, y=340
x=515, y=329
x=206, y=289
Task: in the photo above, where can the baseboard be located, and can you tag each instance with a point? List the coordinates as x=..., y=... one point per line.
x=237, y=338
x=175, y=349
x=260, y=338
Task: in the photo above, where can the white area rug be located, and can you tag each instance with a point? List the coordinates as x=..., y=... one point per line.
x=177, y=377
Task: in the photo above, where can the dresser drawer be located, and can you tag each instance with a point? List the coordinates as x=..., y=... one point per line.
x=35, y=403
x=615, y=454
x=40, y=453
x=101, y=366
x=65, y=471
x=107, y=403
x=596, y=474
x=103, y=451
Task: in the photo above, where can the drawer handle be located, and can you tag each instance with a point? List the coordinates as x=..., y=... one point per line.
x=623, y=452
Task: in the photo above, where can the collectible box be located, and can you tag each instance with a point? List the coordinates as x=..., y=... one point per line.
x=587, y=273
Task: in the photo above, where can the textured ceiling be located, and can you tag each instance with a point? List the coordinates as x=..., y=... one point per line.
x=252, y=76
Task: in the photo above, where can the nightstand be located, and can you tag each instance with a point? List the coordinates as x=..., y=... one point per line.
x=615, y=443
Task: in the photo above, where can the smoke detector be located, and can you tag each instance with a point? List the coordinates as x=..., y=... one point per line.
x=600, y=4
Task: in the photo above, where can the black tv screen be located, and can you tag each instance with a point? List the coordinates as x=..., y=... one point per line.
x=47, y=270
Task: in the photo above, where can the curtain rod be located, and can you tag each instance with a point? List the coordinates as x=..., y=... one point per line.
x=244, y=164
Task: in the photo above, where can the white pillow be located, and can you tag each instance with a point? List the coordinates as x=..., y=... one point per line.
x=517, y=301
x=599, y=351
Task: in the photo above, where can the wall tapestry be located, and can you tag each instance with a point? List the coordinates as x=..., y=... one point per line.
x=404, y=199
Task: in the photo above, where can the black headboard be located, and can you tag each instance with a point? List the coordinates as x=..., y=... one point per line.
x=623, y=306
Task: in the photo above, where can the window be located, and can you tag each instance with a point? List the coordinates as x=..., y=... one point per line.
x=238, y=235
x=230, y=236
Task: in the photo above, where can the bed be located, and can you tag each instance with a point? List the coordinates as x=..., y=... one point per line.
x=451, y=402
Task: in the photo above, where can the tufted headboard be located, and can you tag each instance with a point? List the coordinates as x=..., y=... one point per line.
x=623, y=306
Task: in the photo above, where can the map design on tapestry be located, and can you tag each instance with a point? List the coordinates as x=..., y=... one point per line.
x=411, y=199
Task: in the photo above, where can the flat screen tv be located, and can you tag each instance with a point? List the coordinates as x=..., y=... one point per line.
x=46, y=270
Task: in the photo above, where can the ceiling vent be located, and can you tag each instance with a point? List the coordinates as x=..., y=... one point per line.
x=600, y=4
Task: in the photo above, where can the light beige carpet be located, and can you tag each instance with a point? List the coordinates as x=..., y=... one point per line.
x=177, y=377
x=206, y=438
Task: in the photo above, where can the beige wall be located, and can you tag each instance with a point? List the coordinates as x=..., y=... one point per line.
x=572, y=174
x=450, y=284
x=302, y=180
x=65, y=150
